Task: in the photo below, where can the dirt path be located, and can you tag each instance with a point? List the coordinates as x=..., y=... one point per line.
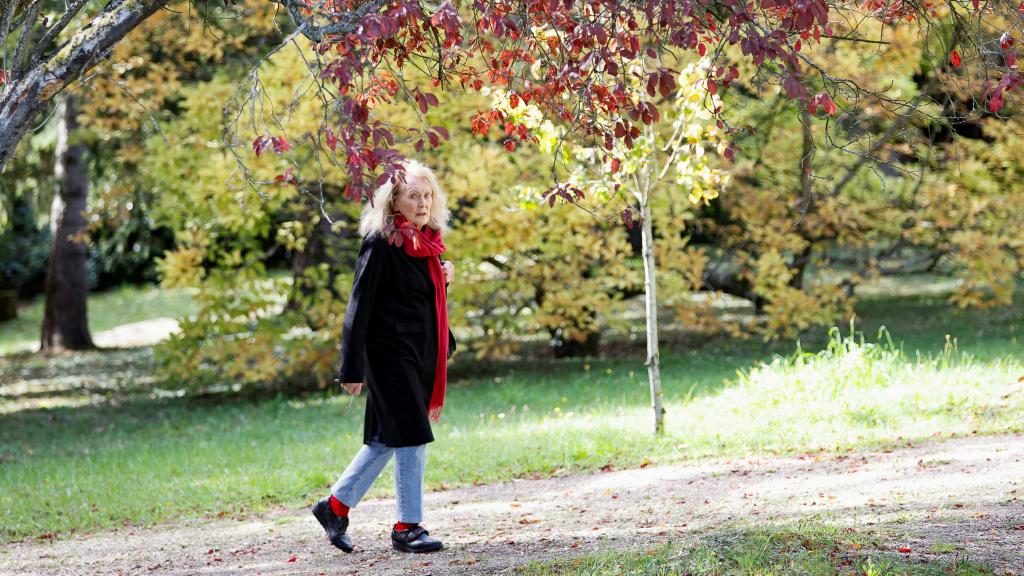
x=966, y=492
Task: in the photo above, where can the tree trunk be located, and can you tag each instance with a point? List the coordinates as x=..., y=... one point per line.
x=651, y=301
x=65, y=321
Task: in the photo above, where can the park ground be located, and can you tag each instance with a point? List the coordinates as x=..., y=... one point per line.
x=857, y=452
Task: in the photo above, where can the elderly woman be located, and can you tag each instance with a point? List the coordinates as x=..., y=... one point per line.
x=396, y=339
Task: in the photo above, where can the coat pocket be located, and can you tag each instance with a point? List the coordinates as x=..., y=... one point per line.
x=408, y=327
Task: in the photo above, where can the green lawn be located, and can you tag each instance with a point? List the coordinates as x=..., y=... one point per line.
x=96, y=455
x=804, y=549
x=106, y=310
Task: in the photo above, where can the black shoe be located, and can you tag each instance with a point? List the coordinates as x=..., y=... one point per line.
x=415, y=539
x=333, y=524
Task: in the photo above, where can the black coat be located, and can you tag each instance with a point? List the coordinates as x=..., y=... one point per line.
x=389, y=341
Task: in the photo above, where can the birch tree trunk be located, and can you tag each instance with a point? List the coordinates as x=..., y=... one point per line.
x=65, y=321
x=651, y=304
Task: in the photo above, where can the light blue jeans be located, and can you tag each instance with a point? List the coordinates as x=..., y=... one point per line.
x=368, y=464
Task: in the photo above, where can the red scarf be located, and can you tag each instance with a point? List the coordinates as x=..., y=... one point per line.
x=427, y=244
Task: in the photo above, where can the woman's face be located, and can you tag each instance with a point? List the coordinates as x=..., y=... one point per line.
x=413, y=200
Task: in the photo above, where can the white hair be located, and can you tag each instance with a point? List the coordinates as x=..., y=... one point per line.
x=379, y=213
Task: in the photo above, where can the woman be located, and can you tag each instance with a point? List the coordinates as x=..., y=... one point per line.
x=395, y=338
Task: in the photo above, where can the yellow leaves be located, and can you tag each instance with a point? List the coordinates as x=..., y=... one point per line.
x=292, y=235
x=181, y=267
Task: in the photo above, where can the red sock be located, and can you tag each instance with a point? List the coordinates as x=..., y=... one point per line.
x=339, y=508
x=404, y=525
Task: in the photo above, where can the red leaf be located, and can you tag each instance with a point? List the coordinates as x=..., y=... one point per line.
x=666, y=84
x=616, y=164
x=652, y=82
x=287, y=178
x=510, y=145
x=954, y=58
x=332, y=141
x=3, y=76
x=1005, y=41
x=293, y=558
x=281, y=144
x=904, y=550
x=822, y=101
x=627, y=217
x=260, y=143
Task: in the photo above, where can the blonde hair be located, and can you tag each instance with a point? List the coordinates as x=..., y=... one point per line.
x=380, y=213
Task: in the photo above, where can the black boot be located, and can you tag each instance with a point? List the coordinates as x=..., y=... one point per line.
x=334, y=525
x=415, y=539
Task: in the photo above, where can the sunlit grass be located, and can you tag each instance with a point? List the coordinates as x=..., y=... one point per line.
x=805, y=549
x=151, y=460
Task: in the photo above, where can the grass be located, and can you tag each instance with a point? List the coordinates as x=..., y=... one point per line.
x=804, y=549
x=106, y=310
x=91, y=442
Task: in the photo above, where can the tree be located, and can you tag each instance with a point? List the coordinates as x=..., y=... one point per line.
x=572, y=60
x=566, y=56
x=666, y=158
x=42, y=59
x=65, y=319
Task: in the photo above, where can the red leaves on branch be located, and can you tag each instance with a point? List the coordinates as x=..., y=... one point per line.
x=481, y=122
x=794, y=88
x=280, y=144
x=425, y=100
x=447, y=18
x=646, y=112
x=287, y=178
x=822, y=101
x=1009, y=82
x=434, y=135
x=568, y=192
x=568, y=58
x=663, y=80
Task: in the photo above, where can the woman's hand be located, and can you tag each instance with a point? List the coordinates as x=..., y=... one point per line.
x=353, y=388
x=449, y=271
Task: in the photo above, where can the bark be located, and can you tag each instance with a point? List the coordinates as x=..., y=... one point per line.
x=651, y=307
x=24, y=96
x=65, y=321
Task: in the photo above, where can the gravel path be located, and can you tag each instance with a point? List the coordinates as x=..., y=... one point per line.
x=966, y=492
